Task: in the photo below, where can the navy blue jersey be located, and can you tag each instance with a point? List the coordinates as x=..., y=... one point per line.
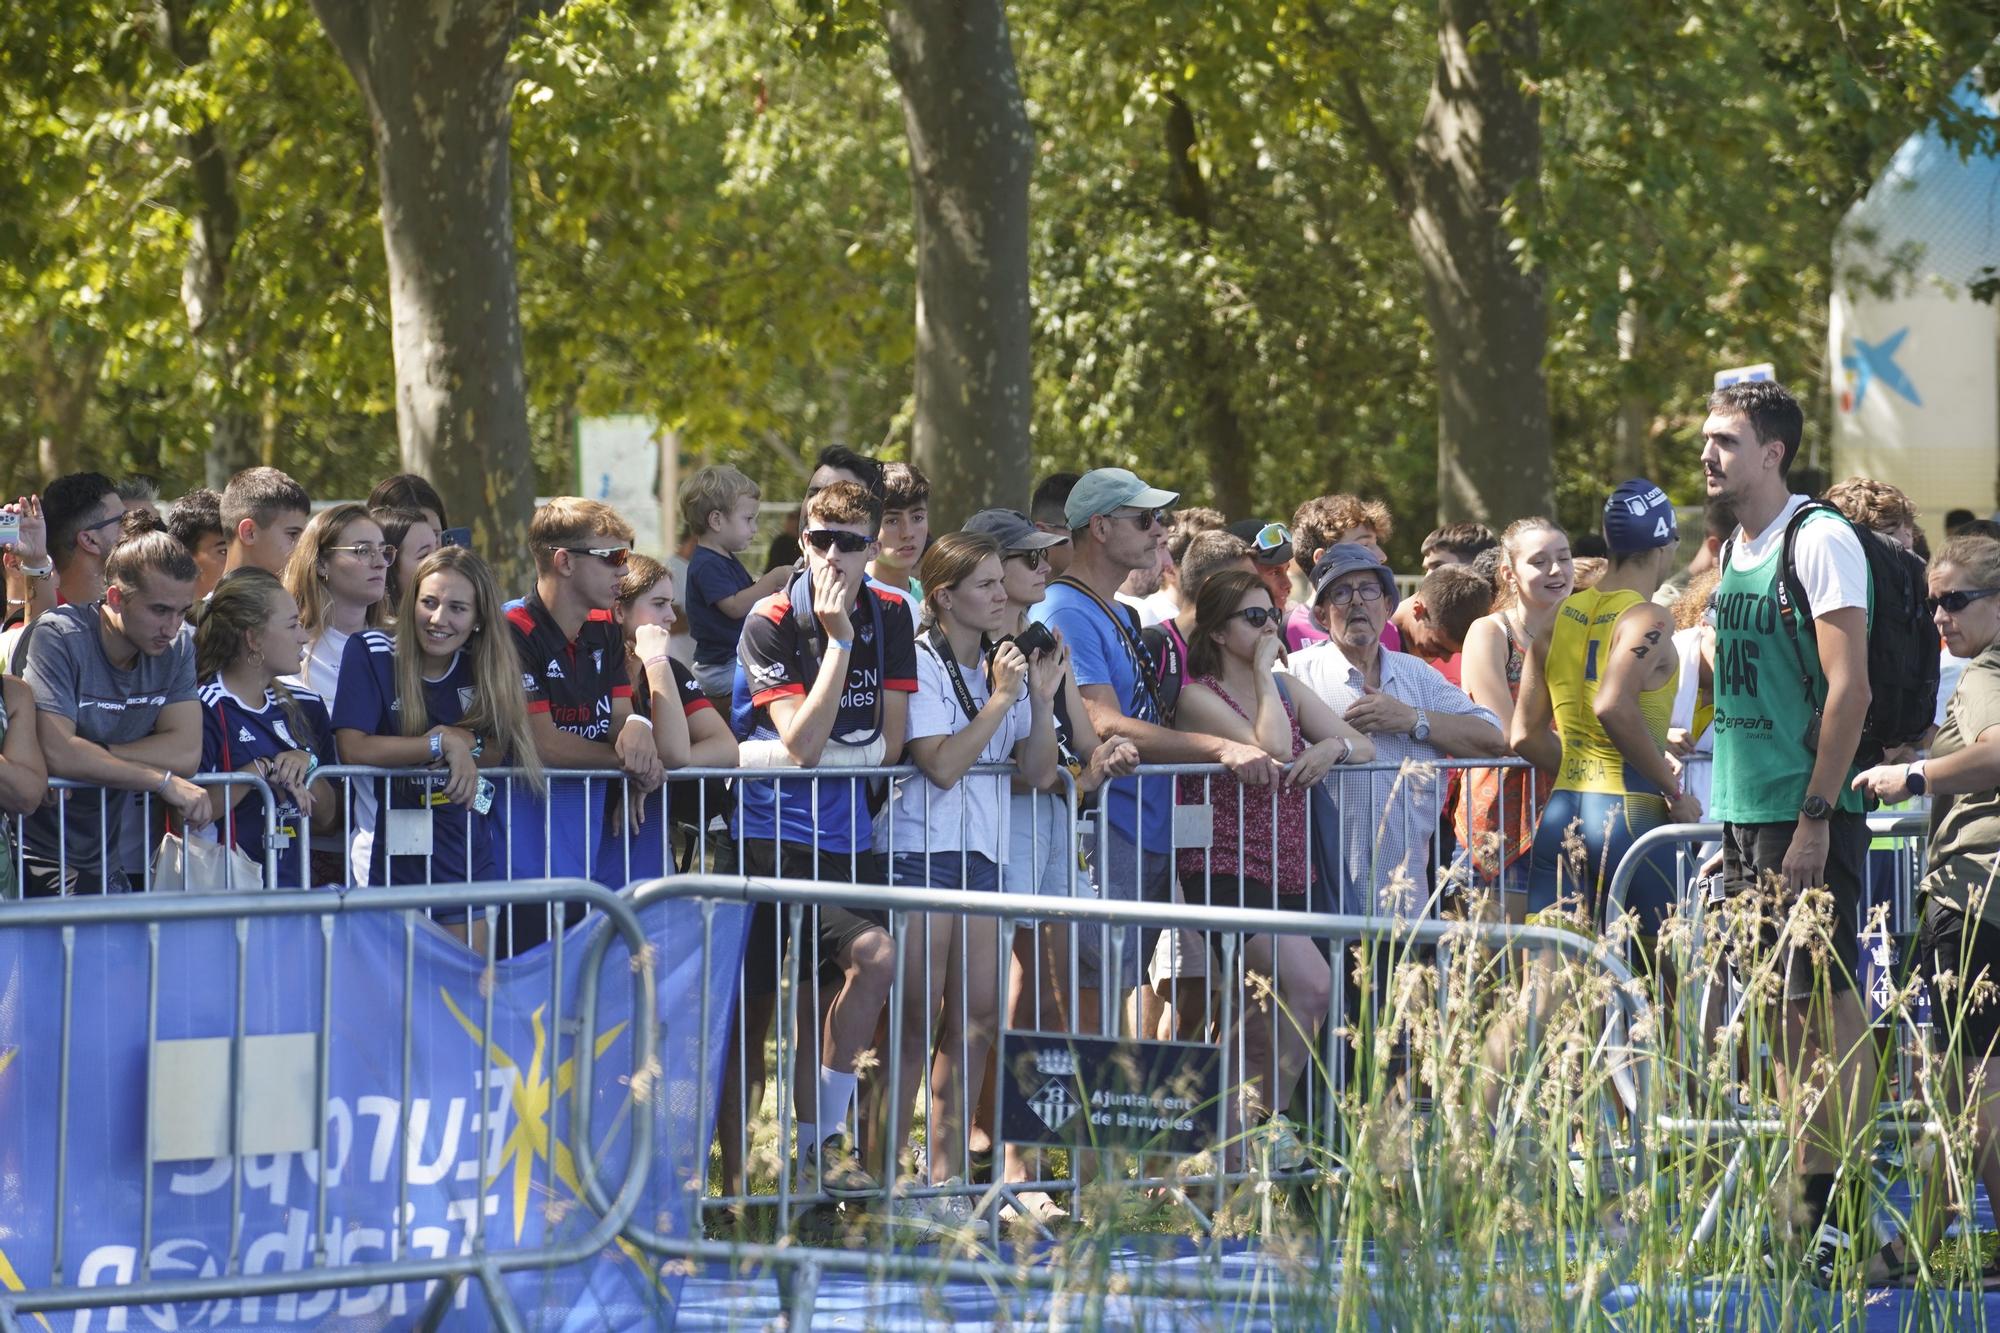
x=713, y=575
x=233, y=735
x=461, y=841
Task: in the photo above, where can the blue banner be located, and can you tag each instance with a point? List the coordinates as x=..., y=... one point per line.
x=408, y=1162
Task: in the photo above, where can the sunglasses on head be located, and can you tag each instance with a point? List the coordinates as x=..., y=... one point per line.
x=1955, y=602
x=1272, y=537
x=1032, y=559
x=614, y=556
x=1256, y=617
x=848, y=543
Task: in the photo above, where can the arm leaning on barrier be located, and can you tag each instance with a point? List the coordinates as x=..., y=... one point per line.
x=24, y=775
x=1332, y=741
x=70, y=756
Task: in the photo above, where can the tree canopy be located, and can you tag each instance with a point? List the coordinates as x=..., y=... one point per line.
x=714, y=222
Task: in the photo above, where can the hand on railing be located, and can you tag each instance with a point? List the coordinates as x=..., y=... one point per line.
x=189, y=801
x=639, y=755
x=291, y=772
x=1249, y=765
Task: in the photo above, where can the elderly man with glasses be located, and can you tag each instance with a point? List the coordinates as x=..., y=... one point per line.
x=1381, y=839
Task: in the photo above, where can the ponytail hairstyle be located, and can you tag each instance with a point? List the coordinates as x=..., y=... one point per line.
x=242, y=603
x=948, y=563
x=499, y=711
x=1506, y=590
x=304, y=578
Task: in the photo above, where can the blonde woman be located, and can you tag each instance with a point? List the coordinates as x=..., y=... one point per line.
x=1497, y=812
x=443, y=693
x=337, y=575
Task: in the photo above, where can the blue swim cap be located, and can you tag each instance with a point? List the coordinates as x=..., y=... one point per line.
x=1639, y=517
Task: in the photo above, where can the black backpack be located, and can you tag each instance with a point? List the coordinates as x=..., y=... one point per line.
x=1902, y=641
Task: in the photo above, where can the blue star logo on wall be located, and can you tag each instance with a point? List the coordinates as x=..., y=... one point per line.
x=1877, y=361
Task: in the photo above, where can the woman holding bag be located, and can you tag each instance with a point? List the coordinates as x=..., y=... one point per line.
x=247, y=638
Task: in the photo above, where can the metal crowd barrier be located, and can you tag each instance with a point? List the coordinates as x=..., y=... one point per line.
x=800, y=1262
x=124, y=852
x=478, y=1258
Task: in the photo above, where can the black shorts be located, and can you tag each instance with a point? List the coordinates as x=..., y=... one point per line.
x=1754, y=854
x=834, y=928
x=1966, y=1017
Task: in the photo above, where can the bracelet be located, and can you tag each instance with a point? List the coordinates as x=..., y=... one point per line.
x=845, y=645
x=47, y=571
x=641, y=717
x=312, y=762
x=166, y=781
x=658, y=659
x=1346, y=750
x=478, y=746
x=437, y=746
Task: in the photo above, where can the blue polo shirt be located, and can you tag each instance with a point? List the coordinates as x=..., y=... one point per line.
x=1100, y=655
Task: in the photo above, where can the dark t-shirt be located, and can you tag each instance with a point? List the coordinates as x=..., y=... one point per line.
x=461, y=840
x=712, y=576
x=639, y=855
x=232, y=735
x=779, y=656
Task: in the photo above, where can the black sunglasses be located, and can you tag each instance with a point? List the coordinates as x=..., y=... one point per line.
x=1256, y=617
x=1144, y=519
x=614, y=556
x=1955, y=602
x=849, y=543
x=1032, y=559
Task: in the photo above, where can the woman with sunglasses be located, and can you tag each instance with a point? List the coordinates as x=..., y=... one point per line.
x=337, y=574
x=1041, y=847
x=1958, y=943
x=977, y=702
x=1258, y=853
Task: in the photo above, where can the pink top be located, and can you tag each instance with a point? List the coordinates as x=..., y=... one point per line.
x=1254, y=859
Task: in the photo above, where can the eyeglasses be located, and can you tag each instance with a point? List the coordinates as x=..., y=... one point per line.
x=1256, y=617
x=368, y=552
x=1955, y=602
x=1345, y=594
x=1273, y=537
x=118, y=517
x=1143, y=519
x=614, y=556
x=1032, y=559
x=847, y=543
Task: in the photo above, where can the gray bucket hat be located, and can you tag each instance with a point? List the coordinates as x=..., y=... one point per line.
x=1344, y=558
x=1012, y=529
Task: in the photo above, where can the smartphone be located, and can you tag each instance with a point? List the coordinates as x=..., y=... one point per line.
x=455, y=537
x=482, y=799
x=10, y=528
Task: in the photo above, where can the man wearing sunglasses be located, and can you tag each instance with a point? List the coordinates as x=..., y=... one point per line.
x=572, y=656
x=1784, y=759
x=1112, y=517
x=824, y=675
x=1381, y=838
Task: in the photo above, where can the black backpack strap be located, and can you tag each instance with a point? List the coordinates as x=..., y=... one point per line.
x=1130, y=632
x=1793, y=605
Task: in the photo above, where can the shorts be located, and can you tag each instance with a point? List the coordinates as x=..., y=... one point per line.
x=716, y=679
x=1041, y=849
x=1962, y=1023
x=833, y=928
x=1237, y=891
x=945, y=870
x=1127, y=875
x=1751, y=851
x=1178, y=954
x=48, y=879
x=1607, y=823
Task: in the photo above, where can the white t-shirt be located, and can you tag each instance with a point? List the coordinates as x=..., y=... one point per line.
x=320, y=673
x=971, y=815
x=1832, y=568
x=1148, y=609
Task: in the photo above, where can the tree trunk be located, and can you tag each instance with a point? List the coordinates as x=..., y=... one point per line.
x=437, y=84
x=971, y=153
x=1480, y=143
x=181, y=28
x=65, y=381
x=1221, y=437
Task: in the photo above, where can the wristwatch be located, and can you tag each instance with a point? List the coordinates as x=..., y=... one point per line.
x=1913, y=778
x=1421, y=732
x=1815, y=807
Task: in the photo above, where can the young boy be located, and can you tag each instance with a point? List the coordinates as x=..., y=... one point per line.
x=906, y=529
x=1325, y=521
x=1434, y=621
x=719, y=506
x=572, y=657
x=264, y=512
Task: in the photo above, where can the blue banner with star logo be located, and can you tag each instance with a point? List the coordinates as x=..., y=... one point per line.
x=424, y=1140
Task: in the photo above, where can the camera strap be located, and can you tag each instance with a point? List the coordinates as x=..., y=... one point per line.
x=940, y=648
x=1131, y=634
